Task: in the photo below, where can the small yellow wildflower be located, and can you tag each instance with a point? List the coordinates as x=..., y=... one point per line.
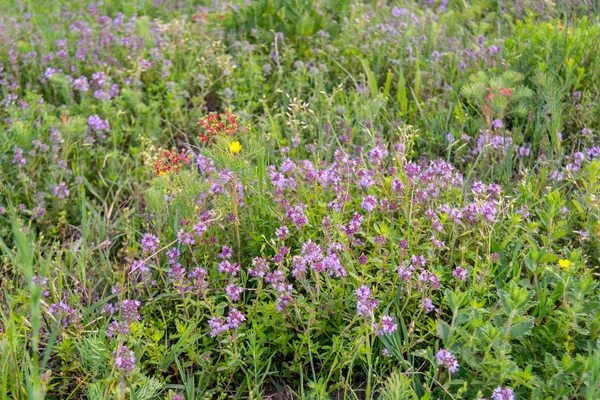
x=235, y=147
x=564, y=263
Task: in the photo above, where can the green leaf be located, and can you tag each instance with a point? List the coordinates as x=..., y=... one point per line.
x=520, y=329
x=443, y=332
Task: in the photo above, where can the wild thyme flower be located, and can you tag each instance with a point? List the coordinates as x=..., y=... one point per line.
x=149, y=243
x=260, y=267
x=124, y=359
x=129, y=310
x=282, y=232
x=497, y=124
x=284, y=297
x=428, y=305
x=299, y=267
x=66, y=315
x=503, y=394
x=386, y=326
x=97, y=124
x=233, y=292
x=118, y=328
x=81, y=84
x=275, y=278
x=173, y=255
x=228, y=268
x=460, y=273
x=446, y=359
x=365, y=304
x=225, y=253
x=18, y=158
x=199, y=228
x=217, y=326
x=185, y=238
x=235, y=318
x=198, y=277
x=334, y=266
x=369, y=203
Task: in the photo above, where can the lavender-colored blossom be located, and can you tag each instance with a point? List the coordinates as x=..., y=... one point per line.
x=260, y=267
x=235, y=318
x=233, y=291
x=124, y=359
x=198, y=277
x=217, y=326
x=61, y=190
x=365, y=304
x=64, y=314
x=460, y=273
x=524, y=151
x=118, y=328
x=149, y=243
x=369, y=203
x=386, y=326
x=428, y=305
x=225, y=253
x=284, y=296
x=185, y=238
x=130, y=310
x=282, y=232
x=446, y=359
x=228, y=268
x=503, y=394
x=18, y=158
x=81, y=84
x=497, y=124
x=97, y=124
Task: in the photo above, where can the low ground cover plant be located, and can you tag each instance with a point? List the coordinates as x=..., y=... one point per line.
x=299, y=200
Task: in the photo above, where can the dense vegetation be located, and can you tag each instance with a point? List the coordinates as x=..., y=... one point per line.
x=300, y=199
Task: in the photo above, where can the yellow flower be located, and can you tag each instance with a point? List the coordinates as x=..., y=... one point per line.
x=564, y=263
x=235, y=147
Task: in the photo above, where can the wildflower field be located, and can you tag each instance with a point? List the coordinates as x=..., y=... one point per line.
x=300, y=199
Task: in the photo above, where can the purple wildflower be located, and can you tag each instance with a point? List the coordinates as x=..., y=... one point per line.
x=61, y=191
x=446, y=359
x=365, y=305
x=129, y=310
x=217, y=326
x=428, y=304
x=18, y=158
x=149, y=243
x=124, y=360
x=460, y=273
x=497, y=124
x=282, y=232
x=235, y=318
x=369, y=203
x=81, y=84
x=233, y=291
x=228, y=268
x=386, y=326
x=260, y=267
x=503, y=394
x=97, y=124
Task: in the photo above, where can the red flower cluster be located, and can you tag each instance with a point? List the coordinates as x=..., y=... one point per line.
x=169, y=161
x=503, y=91
x=214, y=124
